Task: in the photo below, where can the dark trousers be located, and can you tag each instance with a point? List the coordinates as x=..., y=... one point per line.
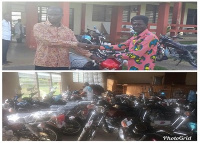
x=50, y=68
x=5, y=46
x=19, y=40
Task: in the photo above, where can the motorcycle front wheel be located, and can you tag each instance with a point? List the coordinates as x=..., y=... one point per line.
x=49, y=134
x=193, y=62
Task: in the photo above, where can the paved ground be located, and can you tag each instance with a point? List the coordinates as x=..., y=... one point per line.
x=100, y=136
x=170, y=64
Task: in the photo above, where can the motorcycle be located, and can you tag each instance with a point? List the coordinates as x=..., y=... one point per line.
x=93, y=37
x=139, y=129
x=96, y=118
x=75, y=118
x=109, y=63
x=105, y=115
x=26, y=105
x=52, y=99
x=36, y=126
x=177, y=51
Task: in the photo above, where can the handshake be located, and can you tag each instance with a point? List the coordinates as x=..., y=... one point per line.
x=88, y=46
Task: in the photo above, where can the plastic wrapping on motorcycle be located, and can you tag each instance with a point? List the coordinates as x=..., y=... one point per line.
x=30, y=117
x=77, y=61
x=111, y=64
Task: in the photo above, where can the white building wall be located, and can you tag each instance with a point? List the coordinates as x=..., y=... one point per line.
x=77, y=17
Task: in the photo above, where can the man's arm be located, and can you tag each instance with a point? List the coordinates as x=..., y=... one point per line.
x=121, y=46
x=139, y=49
x=40, y=34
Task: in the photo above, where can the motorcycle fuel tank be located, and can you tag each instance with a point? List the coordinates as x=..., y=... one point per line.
x=111, y=64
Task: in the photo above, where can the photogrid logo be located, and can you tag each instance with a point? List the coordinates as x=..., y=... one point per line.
x=179, y=138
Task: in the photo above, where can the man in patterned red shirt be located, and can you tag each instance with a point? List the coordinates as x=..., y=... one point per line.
x=54, y=41
x=142, y=47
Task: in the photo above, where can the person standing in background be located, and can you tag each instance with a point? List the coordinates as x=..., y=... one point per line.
x=6, y=37
x=88, y=90
x=19, y=31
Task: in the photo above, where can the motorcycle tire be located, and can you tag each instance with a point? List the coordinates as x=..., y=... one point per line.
x=50, y=134
x=193, y=62
x=73, y=127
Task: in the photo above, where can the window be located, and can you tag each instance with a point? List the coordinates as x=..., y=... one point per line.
x=192, y=17
x=170, y=15
x=126, y=14
x=152, y=13
x=101, y=13
x=78, y=77
x=43, y=81
x=42, y=13
x=26, y=80
x=15, y=17
x=90, y=77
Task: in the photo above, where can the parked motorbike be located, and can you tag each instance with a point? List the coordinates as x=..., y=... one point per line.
x=76, y=117
x=78, y=62
x=52, y=99
x=107, y=116
x=178, y=51
x=36, y=126
x=96, y=118
x=139, y=129
x=26, y=105
x=109, y=63
x=93, y=37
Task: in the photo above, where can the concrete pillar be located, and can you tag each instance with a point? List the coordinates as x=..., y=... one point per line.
x=10, y=82
x=163, y=15
x=65, y=19
x=176, y=18
x=116, y=23
x=182, y=13
x=83, y=17
x=31, y=20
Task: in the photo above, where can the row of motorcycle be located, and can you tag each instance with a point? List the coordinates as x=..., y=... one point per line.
x=132, y=118
x=167, y=48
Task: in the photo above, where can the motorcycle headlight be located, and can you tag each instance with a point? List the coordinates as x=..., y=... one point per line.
x=100, y=109
x=177, y=110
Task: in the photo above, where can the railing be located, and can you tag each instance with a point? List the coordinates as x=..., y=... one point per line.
x=183, y=28
x=124, y=34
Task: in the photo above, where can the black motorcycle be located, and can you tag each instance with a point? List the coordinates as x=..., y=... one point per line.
x=93, y=37
x=139, y=129
x=96, y=119
x=35, y=126
x=176, y=50
x=106, y=116
x=26, y=105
